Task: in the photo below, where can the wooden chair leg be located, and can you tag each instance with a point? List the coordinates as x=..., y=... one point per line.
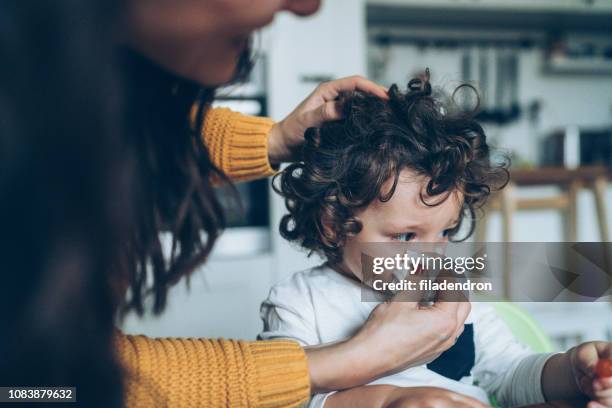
x=570, y=225
x=571, y=212
x=599, y=190
x=480, y=234
x=508, y=208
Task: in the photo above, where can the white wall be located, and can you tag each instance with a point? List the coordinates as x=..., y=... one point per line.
x=220, y=299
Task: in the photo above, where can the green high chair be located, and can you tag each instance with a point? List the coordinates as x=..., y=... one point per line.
x=524, y=328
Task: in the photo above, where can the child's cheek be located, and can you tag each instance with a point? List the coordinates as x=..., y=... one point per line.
x=351, y=258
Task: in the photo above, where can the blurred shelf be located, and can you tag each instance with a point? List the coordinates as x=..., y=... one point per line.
x=493, y=14
x=579, y=66
x=574, y=6
x=558, y=175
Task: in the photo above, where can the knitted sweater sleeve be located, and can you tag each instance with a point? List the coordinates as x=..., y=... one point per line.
x=237, y=143
x=213, y=373
x=219, y=373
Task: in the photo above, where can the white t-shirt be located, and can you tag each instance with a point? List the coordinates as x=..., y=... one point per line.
x=319, y=305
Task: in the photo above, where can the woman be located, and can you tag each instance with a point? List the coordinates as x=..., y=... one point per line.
x=103, y=107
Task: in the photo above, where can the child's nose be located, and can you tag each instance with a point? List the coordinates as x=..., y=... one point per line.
x=434, y=237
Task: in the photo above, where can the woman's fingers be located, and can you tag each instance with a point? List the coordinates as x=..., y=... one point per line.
x=451, y=322
x=330, y=90
x=463, y=310
x=325, y=97
x=287, y=136
x=324, y=113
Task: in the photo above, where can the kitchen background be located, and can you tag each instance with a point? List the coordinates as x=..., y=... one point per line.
x=544, y=72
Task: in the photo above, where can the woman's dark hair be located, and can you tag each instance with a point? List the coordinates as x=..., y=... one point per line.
x=173, y=174
x=98, y=156
x=346, y=163
x=173, y=191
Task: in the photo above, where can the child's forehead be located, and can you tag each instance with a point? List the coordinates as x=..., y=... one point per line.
x=411, y=188
x=410, y=198
x=408, y=189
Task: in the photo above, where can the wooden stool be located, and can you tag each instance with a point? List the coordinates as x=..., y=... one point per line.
x=594, y=178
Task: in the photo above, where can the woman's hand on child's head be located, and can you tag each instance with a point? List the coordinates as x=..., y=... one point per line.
x=588, y=365
x=320, y=106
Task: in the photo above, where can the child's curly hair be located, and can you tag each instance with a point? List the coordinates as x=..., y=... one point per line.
x=346, y=162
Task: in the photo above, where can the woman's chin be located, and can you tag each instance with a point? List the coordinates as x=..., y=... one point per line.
x=214, y=77
x=222, y=65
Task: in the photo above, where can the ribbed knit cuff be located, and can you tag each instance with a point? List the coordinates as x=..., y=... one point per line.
x=238, y=144
x=282, y=370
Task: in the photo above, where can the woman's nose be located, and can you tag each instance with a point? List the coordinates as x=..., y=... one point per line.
x=303, y=7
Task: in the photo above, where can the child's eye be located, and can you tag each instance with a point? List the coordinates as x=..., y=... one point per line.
x=449, y=231
x=446, y=232
x=404, y=236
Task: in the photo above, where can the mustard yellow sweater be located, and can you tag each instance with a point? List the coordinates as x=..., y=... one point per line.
x=218, y=373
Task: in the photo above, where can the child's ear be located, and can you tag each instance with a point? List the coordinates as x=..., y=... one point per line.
x=328, y=229
x=327, y=232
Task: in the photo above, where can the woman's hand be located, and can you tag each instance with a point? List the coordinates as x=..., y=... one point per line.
x=388, y=396
x=396, y=336
x=320, y=106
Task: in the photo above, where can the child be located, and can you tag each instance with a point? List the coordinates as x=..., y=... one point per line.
x=406, y=169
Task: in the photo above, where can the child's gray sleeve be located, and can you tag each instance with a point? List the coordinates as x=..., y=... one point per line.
x=505, y=368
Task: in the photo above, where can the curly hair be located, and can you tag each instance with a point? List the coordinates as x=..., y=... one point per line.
x=346, y=163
